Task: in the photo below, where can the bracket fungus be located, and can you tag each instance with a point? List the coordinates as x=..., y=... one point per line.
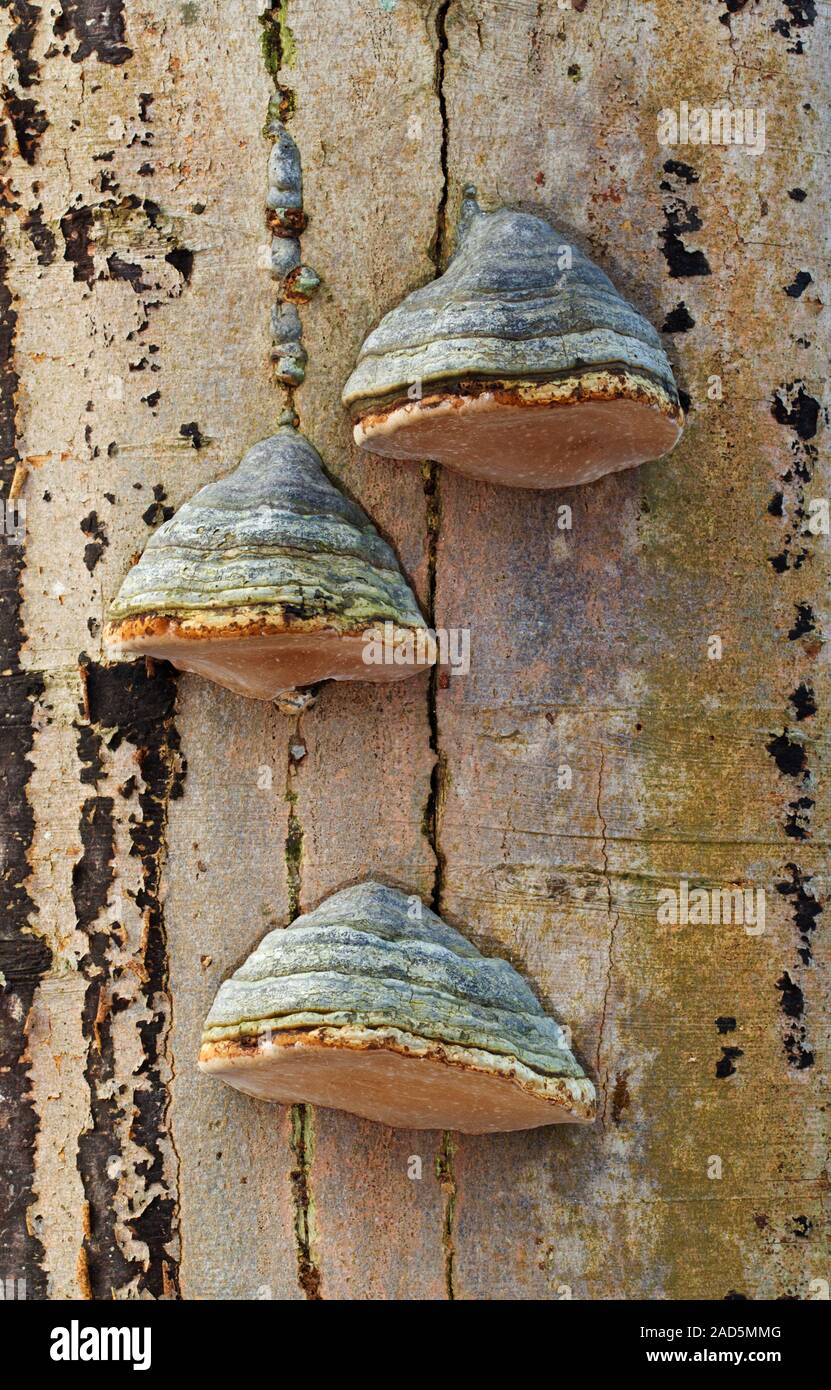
x=268, y=581
x=521, y=364
x=372, y=1004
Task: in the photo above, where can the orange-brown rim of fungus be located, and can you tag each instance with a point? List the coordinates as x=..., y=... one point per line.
x=150, y=625
x=603, y=384
x=230, y=1049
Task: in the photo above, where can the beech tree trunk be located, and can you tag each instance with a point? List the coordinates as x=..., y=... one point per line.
x=603, y=746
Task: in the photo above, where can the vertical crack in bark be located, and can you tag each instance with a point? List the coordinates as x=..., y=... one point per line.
x=438, y=250
x=302, y=1147
x=302, y=1116
x=435, y=795
x=278, y=49
x=294, y=830
x=614, y=918
x=445, y=1173
x=438, y=776
x=432, y=495
x=24, y=957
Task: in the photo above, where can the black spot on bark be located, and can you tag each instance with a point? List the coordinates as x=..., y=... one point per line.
x=93, y=527
x=182, y=260
x=798, y=194
x=678, y=320
x=28, y=121
x=733, y=7
x=798, y=819
x=726, y=1024
x=680, y=220
x=126, y=270
x=802, y=12
x=679, y=170
x=803, y=701
x=76, y=230
x=796, y=409
x=800, y=282
x=20, y=41
x=98, y=25
x=793, y=1002
x=125, y=698
x=41, y=236
x=792, y=1005
x=805, y=622
x=788, y=755
x=775, y=505
x=193, y=433
x=157, y=513
x=725, y=1066
x=806, y=908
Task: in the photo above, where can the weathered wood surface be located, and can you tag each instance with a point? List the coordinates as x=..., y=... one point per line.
x=154, y=828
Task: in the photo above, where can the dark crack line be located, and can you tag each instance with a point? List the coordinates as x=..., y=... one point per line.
x=432, y=497
x=447, y=1182
x=276, y=37
x=302, y=1116
x=440, y=237
x=302, y=1147
x=614, y=918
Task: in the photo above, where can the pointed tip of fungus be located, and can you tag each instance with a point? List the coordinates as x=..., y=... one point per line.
x=469, y=210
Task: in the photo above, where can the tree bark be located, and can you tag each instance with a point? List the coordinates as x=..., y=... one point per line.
x=156, y=826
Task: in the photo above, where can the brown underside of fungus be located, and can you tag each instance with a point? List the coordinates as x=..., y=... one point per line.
x=372, y=1004
x=267, y=581
x=521, y=365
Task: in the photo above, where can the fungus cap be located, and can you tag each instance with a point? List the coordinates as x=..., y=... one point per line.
x=268, y=580
x=374, y=1005
x=520, y=365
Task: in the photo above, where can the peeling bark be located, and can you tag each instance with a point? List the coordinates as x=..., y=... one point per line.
x=24, y=956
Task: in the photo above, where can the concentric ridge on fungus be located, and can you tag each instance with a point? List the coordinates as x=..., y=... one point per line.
x=372, y=1004
x=267, y=581
x=521, y=364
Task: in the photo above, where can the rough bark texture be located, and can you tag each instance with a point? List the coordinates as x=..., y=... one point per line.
x=155, y=827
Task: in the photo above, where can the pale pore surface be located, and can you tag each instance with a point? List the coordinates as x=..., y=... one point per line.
x=263, y=667
x=523, y=446
x=394, y=1087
